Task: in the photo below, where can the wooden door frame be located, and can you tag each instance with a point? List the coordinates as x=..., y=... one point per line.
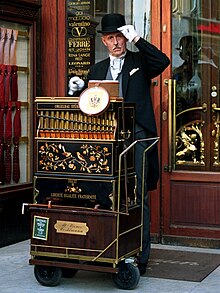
x=53, y=48
x=160, y=37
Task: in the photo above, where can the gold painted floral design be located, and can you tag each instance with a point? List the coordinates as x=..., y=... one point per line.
x=88, y=158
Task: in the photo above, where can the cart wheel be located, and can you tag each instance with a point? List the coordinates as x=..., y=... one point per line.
x=47, y=276
x=127, y=277
x=68, y=273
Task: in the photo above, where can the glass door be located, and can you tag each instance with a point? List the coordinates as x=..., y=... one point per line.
x=194, y=87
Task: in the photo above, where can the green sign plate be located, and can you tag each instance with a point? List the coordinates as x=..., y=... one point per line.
x=40, y=227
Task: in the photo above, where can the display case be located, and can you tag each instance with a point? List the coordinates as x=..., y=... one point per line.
x=18, y=34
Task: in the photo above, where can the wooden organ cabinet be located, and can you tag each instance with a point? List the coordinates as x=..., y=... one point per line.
x=85, y=208
x=77, y=154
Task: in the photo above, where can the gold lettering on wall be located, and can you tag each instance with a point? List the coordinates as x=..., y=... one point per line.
x=80, y=38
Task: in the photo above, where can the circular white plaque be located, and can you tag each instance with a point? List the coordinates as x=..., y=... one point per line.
x=94, y=100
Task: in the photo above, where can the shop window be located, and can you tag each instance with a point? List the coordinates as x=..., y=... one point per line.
x=15, y=101
x=101, y=6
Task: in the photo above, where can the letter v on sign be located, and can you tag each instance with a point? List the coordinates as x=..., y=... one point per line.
x=79, y=31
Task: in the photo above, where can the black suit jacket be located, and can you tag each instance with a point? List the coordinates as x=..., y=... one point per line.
x=138, y=70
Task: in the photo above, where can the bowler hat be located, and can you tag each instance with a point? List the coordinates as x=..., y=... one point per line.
x=111, y=22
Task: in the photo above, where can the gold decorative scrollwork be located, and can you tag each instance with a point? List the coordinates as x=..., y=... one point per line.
x=190, y=144
x=216, y=146
x=88, y=158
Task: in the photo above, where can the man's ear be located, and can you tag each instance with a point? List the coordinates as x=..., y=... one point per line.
x=103, y=41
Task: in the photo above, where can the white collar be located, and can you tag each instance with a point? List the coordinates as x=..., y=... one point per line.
x=120, y=57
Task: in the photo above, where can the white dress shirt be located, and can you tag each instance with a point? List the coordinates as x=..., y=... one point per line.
x=116, y=64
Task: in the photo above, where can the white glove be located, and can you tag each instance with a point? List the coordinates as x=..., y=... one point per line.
x=75, y=84
x=128, y=31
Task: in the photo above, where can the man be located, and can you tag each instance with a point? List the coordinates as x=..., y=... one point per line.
x=134, y=71
x=188, y=90
x=188, y=52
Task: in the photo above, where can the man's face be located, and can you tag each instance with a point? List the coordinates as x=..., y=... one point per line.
x=115, y=43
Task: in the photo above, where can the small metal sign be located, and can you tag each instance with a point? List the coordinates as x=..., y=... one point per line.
x=40, y=227
x=67, y=227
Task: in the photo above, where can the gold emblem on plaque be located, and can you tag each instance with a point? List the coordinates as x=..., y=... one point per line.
x=76, y=228
x=94, y=100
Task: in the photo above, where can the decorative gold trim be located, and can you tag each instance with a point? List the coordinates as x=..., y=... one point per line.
x=104, y=250
x=188, y=141
x=216, y=146
x=23, y=68
x=113, y=261
x=202, y=108
x=23, y=34
x=214, y=107
x=171, y=121
x=69, y=100
x=130, y=230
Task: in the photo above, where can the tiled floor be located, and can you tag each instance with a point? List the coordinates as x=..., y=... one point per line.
x=16, y=276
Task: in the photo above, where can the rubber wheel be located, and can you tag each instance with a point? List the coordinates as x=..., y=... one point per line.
x=68, y=273
x=47, y=276
x=127, y=277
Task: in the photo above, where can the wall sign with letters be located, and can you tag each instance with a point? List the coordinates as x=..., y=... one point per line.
x=81, y=30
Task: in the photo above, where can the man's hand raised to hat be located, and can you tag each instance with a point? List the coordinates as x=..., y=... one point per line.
x=129, y=32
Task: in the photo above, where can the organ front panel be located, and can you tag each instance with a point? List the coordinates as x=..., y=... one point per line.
x=78, y=154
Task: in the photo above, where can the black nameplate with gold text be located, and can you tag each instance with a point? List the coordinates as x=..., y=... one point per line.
x=83, y=192
x=82, y=6
x=81, y=30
